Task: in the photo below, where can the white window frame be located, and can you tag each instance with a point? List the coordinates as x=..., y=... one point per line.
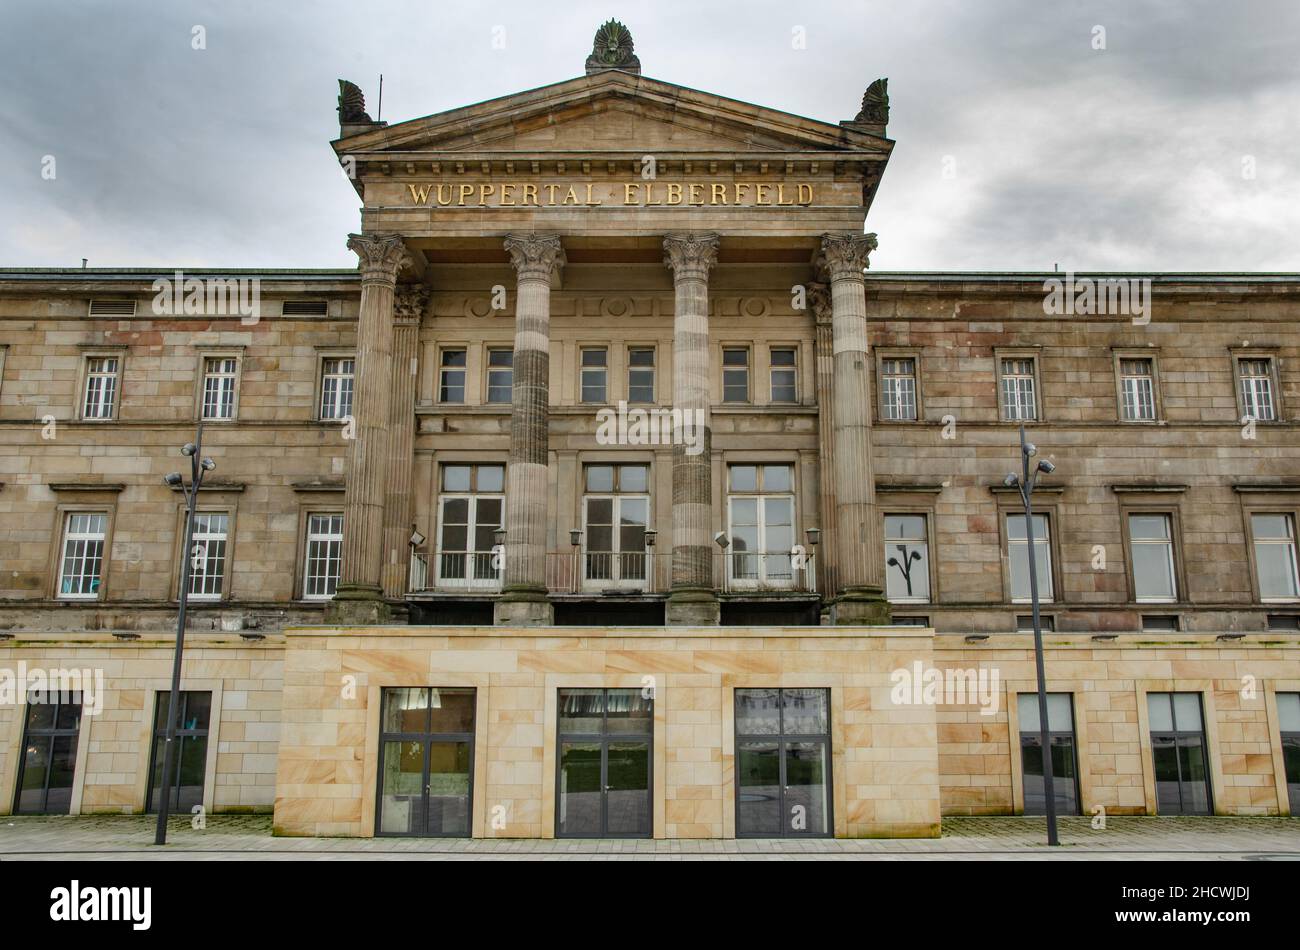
x=444, y=369
x=1257, y=390
x=1137, y=390
x=335, y=401
x=1287, y=545
x=312, y=538
x=763, y=552
x=221, y=369
x=894, y=399
x=584, y=370
x=84, y=537
x=747, y=369
x=891, y=551
x=1167, y=542
x=494, y=371
x=620, y=561
x=651, y=369
x=792, y=369
x=108, y=395
x=470, y=580
x=1018, y=389
x=202, y=557
x=1046, y=580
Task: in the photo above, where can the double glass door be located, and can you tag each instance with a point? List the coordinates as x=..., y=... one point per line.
x=1181, y=762
x=604, y=763
x=783, y=779
x=426, y=756
x=49, y=758
x=184, y=787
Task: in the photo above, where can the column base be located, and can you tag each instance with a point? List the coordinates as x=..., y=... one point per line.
x=358, y=606
x=523, y=608
x=863, y=606
x=692, y=607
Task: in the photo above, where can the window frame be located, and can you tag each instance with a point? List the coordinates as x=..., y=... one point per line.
x=1034, y=356
x=441, y=369
x=886, y=510
x=489, y=371
x=584, y=369
x=748, y=350
x=117, y=353
x=1263, y=508
x=780, y=738
x=762, y=582
x=1172, y=513
x=653, y=369
x=1242, y=354
x=63, y=516
x=304, y=557
x=1049, y=511
x=472, y=496
x=201, y=376
x=1121, y=355
x=1052, y=735
x=223, y=508
x=886, y=354
x=793, y=368
x=324, y=357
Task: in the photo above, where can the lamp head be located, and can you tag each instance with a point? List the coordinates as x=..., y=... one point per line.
x=721, y=540
x=188, y=449
x=1030, y=449
x=1046, y=467
x=1011, y=481
x=207, y=465
x=174, y=479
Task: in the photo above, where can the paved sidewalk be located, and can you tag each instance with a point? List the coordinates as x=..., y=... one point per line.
x=110, y=837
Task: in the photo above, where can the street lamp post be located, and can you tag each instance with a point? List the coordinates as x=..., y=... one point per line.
x=1025, y=483
x=198, y=466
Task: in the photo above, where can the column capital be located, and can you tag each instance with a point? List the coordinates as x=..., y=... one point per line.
x=819, y=301
x=844, y=255
x=535, y=256
x=409, y=302
x=381, y=256
x=691, y=254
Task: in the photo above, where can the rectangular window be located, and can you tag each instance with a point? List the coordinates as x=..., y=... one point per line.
x=1018, y=556
x=83, y=555
x=324, y=556
x=184, y=787
x=640, y=374
x=1060, y=737
x=219, y=377
x=1018, y=396
x=1025, y=623
x=784, y=375
x=898, y=389
x=1138, y=390
x=760, y=515
x=48, y=758
x=1181, y=758
x=604, y=763
x=783, y=763
x=501, y=375
x=471, y=509
x=1275, y=555
x=1255, y=377
x=615, y=516
x=907, y=559
x=451, y=376
x=426, y=755
x=1288, y=716
x=338, y=375
x=1162, y=623
x=735, y=374
x=1151, y=550
x=595, y=374
x=208, y=555
x=101, y=387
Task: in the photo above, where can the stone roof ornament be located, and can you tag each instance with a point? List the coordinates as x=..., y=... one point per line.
x=874, y=114
x=612, y=49
x=353, y=117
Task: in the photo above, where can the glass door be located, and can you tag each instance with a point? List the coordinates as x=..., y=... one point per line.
x=604, y=764
x=49, y=757
x=783, y=777
x=426, y=762
x=185, y=785
x=1181, y=759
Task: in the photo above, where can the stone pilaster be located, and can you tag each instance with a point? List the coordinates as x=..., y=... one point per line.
x=693, y=599
x=360, y=591
x=858, y=548
x=536, y=258
x=399, y=508
x=819, y=302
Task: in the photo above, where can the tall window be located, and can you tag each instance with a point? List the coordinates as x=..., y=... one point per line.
x=336, y=383
x=101, y=387
x=784, y=375
x=48, y=760
x=604, y=743
x=324, y=556
x=735, y=374
x=1018, y=557
x=760, y=512
x=1275, y=555
x=1151, y=549
x=1181, y=759
x=83, y=555
x=219, y=377
x=1255, y=377
x=426, y=755
x=616, y=514
x=898, y=389
x=1288, y=716
x=208, y=555
x=184, y=787
x=595, y=374
x=783, y=763
x=907, y=559
x=471, y=506
x=1018, y=398
x=501, y=375
x=1137, y=389
x=640, y=374
x=451, y=376
x=1060, y=736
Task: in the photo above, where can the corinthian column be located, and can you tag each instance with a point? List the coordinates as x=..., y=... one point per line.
x=819, y=302
x=858, y=548
x=360, y=594
x=408, y=309
x=692, y=599
x=523, y=602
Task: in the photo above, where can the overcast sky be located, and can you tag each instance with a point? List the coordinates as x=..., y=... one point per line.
x=1177, y=147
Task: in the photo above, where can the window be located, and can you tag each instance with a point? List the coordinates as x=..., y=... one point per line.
x=735, y=374
x=501, y=375
x=1160, y=623
x=1273, y=535
x=101, y=387
x=784, y=375
x=220, y=374
x=1137, y=390
x=471, y=508
x=338, y=374
x=907, y=559
x=1255, y=386
x=783, y=763
x=1018, y=557
x=1060, y=737
x=451, y=376
x=1181, y=760
x=615, y=515
x=1025, y=623
x=324, y=556
x=1019, y=402
x=604, y=763
x=595, y=374
x=426, y=757
x=208, y=555
x=184, y=787
x=1151, y=550
x=760, y=514
x=898, y=389
x=640, y=374
x=83, y=555
x=1288, y=717
x=48, y=760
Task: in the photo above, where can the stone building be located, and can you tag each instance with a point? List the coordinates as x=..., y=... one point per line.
x=613, y=494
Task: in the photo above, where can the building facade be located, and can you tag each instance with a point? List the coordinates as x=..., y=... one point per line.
x=613, y=495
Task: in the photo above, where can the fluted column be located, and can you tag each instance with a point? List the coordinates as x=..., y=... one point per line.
x=536, y=258
x=693, y=599
x=360, y=593
x=858, y=547
x=399, y=509
x=819, y=302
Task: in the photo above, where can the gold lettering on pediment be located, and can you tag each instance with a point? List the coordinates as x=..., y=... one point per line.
x=642, y=194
